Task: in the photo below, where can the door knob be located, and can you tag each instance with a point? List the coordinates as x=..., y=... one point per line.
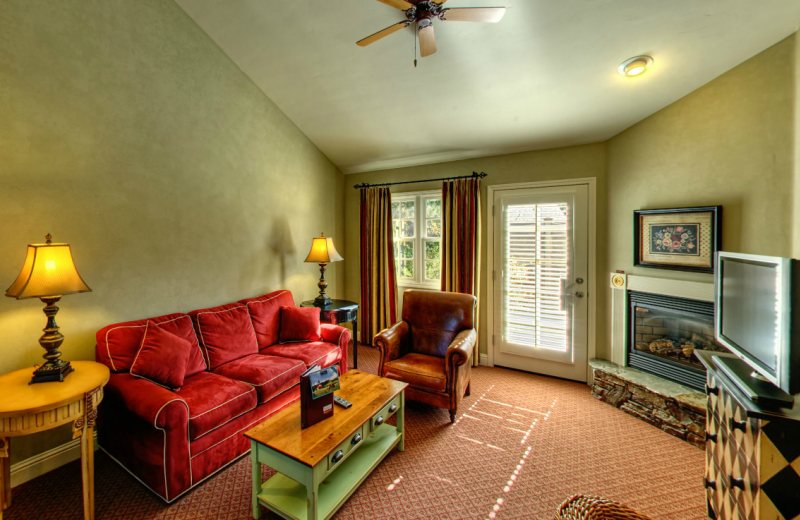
x=578, y=294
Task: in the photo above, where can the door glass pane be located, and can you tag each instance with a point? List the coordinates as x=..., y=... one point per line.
x=432, y=250
x=433, y=208
x=433, y=228
x=432, y=270
x=536, y=260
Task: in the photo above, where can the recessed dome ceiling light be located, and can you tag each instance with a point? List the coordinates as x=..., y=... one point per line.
x=635, y=66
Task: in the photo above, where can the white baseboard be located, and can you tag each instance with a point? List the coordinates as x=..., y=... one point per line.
x=49, y=460
x=484, y=360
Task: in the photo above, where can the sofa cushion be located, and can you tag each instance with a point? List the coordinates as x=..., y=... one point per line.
x=265, y=313
x=225, y=333
x=299, y=324
x=162, y=357
x=118, y=344
x=213, y=400
x=310, y=352
x=418, y=370
x=270, y=375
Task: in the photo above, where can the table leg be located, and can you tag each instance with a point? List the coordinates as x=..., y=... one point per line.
x=355, y=343
x=256, y=479
x=87, y=471
x=401, y=426
x=312, y=491
x=5, y=474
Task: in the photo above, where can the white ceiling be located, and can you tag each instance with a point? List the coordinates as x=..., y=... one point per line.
x=544, y=76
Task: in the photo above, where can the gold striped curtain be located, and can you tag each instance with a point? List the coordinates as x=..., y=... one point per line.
x=378, y=278
x=461, y=241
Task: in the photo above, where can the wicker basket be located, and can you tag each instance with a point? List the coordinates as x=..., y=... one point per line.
x=586, y=507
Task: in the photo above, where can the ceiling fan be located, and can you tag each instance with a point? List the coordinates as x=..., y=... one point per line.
x=422, y=12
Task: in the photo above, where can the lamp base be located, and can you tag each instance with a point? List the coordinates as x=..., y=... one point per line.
x=322, y=301
x=55, y=370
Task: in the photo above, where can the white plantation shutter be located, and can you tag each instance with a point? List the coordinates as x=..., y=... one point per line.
x=537, y=252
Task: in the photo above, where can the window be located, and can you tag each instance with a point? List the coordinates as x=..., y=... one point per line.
x=417, y=224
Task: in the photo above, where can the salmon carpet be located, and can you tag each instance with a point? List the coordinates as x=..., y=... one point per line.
x=522, y=443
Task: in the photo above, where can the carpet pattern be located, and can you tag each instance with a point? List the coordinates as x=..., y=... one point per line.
x=521, y=444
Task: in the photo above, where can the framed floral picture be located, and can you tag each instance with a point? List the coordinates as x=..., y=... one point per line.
x=684, y=239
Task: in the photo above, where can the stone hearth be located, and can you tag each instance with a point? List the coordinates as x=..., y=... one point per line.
x=674, y=408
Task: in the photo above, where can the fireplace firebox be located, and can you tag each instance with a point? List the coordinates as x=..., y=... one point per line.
x=665, y=331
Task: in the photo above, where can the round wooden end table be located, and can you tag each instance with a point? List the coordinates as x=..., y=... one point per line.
x=340, y=311
x=28, y=409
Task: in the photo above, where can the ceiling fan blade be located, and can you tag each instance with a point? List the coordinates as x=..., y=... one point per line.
x=440, y=2
x=382, y=34
x=398, y=4
x=473, y=14
x=427, y=41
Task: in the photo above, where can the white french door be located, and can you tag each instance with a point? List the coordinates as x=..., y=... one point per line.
x=540, y=303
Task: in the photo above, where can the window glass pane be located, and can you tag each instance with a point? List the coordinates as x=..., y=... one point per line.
x=396, y=229
x=407, y=209
x=433, y=208
x=433, y=228
x=407, y=227
x=395, y=210
x=432, y=250
x=406, y=269
x=431, y=269
x=406, y=249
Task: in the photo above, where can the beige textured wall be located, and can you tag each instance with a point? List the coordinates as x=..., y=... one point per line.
x=127, y=132
x=559, y=163
x=731, y=142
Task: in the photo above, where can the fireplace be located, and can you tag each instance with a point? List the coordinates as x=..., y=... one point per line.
x=664, y=332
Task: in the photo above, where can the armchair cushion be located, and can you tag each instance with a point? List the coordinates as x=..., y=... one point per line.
x=118, y=344
x=225, y=333
x=269, y=375
x=162, y=357
x=418, y=370
x=319, y=352
x=265, y=313
x=299, y=324
x=214, y=400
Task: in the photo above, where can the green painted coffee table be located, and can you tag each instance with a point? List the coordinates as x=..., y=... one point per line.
x=320, y=467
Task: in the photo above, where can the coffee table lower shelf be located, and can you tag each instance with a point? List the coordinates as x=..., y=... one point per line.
x=290, y=499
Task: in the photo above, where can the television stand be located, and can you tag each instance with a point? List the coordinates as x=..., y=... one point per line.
x=756, y=389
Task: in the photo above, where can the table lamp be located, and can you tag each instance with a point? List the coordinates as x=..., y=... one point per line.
x=322, y=252
x=48, y=274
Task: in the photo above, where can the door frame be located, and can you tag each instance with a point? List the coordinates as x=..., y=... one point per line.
x=591, y=287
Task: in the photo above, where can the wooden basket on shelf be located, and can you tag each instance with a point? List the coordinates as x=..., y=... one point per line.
x=587, y=507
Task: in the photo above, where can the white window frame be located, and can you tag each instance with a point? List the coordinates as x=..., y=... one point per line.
x=419, y=198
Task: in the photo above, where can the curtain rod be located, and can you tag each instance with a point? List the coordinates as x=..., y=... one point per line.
x=475, y=175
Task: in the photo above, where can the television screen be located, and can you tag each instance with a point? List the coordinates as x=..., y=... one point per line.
x=750, y=309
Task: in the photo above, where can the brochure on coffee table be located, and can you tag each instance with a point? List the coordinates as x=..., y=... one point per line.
x=324, y=381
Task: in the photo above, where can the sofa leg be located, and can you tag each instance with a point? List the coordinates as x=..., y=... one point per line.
x=452, y=416
x=466, y=394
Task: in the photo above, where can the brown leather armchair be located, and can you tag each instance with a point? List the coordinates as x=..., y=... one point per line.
x=431, y=347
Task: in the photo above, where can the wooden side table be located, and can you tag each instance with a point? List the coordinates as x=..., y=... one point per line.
x=28, y=409
x=340, y=311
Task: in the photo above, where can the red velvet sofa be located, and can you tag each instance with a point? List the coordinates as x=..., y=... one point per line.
x=237, y=376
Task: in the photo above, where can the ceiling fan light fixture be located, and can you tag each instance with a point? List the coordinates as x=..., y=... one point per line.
x=635, y=66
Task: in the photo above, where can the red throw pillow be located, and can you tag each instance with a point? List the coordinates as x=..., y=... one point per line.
x=299, y=324
x=162, y=357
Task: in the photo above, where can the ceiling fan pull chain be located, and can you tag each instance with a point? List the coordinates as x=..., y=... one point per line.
x=415, y=46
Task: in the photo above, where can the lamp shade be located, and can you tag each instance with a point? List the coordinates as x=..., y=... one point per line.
x=48, y=271
x=323, y=251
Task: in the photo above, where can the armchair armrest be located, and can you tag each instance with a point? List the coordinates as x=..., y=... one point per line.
x=461, y=349
x=391, y=342
x=152, y=403
x=338, y=336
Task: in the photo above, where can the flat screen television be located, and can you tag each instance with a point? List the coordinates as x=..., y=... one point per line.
x=757, y=317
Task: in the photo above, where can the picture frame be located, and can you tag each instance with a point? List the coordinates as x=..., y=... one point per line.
x=694, y=236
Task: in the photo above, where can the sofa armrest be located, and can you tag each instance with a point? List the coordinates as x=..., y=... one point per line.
x=338, y=336
x=390, y=342
x=152, y=403
x=461, y=349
